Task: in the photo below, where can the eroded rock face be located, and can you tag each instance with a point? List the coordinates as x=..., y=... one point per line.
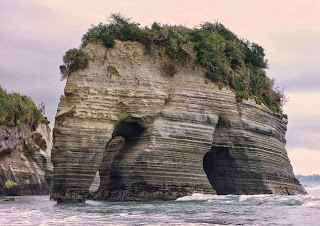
x=151, y=136
x=25, y=160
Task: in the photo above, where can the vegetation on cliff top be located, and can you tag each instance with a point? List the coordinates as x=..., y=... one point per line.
x=228, y=60
x=16, y=108
x=74, y=59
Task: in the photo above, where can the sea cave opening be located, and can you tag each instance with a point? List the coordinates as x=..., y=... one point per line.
x=126, y=135
x=233, y=165
x=219, y=163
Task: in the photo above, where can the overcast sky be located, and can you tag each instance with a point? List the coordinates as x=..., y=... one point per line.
x=35, y=34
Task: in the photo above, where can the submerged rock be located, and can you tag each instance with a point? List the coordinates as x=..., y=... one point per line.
x=152, y=136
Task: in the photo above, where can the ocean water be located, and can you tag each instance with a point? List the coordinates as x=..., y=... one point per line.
x=197, y=209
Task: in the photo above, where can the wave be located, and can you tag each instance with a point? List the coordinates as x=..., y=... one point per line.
x=312, y=204
x=94, y=203
x=262, y=199
x=195, y=209
x=200, y=197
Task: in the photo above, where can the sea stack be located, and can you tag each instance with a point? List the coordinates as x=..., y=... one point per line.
x=153, y=135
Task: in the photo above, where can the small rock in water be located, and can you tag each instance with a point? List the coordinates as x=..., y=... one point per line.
x=9, y=199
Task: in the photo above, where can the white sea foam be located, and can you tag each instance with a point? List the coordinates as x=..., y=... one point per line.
x=224, y=198
x=94, y=203
x=312, y=204
x=197, y=197
x=243, y=198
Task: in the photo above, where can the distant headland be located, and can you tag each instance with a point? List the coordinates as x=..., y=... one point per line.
x=314, y=177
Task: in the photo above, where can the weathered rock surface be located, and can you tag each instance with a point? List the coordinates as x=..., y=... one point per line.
x=151, y=136
x=25, y=160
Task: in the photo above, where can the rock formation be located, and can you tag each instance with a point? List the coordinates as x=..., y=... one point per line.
x=25, y=159
x=153, y=136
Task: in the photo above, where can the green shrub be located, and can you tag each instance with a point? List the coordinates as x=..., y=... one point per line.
x=267, y=100
x=112, y=70
x=108, y=41
x=40, y=141
x=31, y=149
x=73, y=60
x=221, y=86
x=254, y=55
x=98, y=33
x=9, y=184
x=62, y=117
x=170, y=69
x=275, y=109
x=213, y=76
x=258, y=101
x=242, y=95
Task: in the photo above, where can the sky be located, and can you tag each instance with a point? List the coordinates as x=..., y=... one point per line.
x=35, y=34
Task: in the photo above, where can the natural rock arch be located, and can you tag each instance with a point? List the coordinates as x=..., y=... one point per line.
x=129, y=139
x=180, y=119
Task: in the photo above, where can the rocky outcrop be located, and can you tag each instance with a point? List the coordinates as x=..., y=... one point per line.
x=153, y=136
x=25, y=160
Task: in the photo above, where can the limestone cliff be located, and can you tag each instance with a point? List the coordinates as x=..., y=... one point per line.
x=25, y=159
x=152, y=136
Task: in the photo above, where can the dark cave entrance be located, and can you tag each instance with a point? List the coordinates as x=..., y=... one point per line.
x=219, y=166
x=218, y=163
x=221, y=162
x=126, y=135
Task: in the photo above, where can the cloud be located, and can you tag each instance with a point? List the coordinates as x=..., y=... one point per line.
x=303, y=137
x=293, y=60
x=304, y=161
x=303, y=104
x=304, y=120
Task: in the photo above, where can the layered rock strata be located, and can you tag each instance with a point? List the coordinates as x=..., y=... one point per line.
x=151, y=136
x=25, y=160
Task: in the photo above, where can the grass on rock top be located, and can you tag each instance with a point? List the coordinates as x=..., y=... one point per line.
x=16, y=108
x=228, y=60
